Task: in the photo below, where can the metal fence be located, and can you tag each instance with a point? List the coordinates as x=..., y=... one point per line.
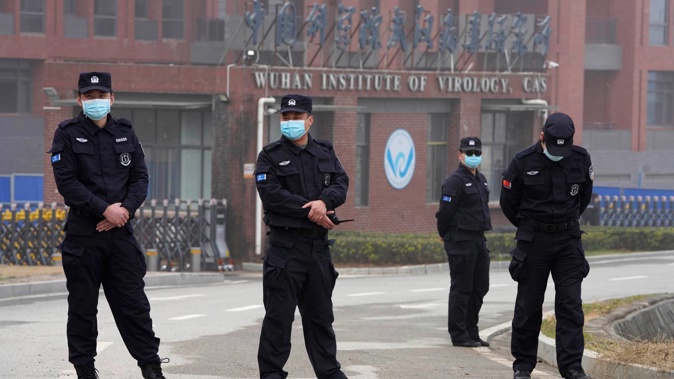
x=177, y=236
x=637, y=211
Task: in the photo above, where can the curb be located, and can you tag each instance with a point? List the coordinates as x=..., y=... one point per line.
x=395, y=270
x=596, y=366
x=8, y=291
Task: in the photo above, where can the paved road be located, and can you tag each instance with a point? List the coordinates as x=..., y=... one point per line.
x=387, y=326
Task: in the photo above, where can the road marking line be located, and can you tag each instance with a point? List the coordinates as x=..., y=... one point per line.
x=176, y=297
x=187, y=317
x=235, y=281
x=429, y=289
x=365, y=294
x=246, y=308
x=364, y=372
x=629, y=278
x=100, y=346
x=489, y=354
x=419, y=306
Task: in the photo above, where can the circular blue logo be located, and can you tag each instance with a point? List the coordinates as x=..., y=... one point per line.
x=399, y=158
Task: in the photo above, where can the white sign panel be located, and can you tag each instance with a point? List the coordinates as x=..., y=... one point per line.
x=399, y=159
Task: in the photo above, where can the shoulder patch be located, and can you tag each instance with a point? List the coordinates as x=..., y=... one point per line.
x=325, y=143
x=272, y=146
x=579, y=149
x=123, y=121
x=67, y=122
x=526, y=152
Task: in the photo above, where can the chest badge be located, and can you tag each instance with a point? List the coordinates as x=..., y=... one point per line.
x=125, y=159
x=326, y=179
x=284, y=163
x=532, y=172
x=469, y=184
x=80, y=139
x=574, y=189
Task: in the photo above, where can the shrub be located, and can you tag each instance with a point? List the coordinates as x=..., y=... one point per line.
x=362, y=248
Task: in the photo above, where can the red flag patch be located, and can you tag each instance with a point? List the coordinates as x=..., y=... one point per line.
x=506, y=184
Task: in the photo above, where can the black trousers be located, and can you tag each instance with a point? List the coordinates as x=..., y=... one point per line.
x=114, y=260
x=538, y=254
x=298, y=272
x=468, y=259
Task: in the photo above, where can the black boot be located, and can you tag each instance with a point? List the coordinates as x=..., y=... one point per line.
x=153, y=370
x=86, y=372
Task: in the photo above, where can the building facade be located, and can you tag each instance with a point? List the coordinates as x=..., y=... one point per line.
x=395, y=84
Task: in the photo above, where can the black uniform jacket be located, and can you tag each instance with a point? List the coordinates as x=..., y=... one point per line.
x=96, y=167
x=288, y=176
x=536, y=188
x=464, y=204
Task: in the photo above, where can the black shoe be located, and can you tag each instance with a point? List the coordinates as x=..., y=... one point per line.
x=482, y=342
x=521, y=374
x=576, y=374
x=153, y=370
x=86, y=372
x=466, y=343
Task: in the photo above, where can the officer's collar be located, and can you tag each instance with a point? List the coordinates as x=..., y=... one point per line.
x=311, y=145
x=467, y=170
x=92, y=128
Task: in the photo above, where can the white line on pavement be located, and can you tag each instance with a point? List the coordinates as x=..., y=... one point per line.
x=628, y=278
x=100, y=346
x=429, y=289
x=186, y=317
x=365, y=294
x=176, y=297
x=246, y=308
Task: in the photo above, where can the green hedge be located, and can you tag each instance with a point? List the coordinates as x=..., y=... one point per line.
x=404, y=249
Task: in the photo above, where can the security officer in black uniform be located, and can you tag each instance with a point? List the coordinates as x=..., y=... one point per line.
x=100, y=171
x=301, y=182
x=546, y=188
x=462, y=219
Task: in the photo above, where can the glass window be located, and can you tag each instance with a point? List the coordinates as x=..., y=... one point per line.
x=70, y=7
x=660, y=99
x=105, y=18
x=658, y=23
x=177, y=151
x=141, y=9
x=190, y=172
x=15, y=83
x=169, y=133
x=32, y=16
x=173, y=19
x=436, y=158
x=192, y=127
x=362, y=179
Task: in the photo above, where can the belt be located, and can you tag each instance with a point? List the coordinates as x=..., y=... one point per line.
x=83, y=213
x=301, y=232
x=550, y=228
x=80, y=212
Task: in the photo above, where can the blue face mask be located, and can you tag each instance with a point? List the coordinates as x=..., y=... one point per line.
x=473, y=161
x=554, y=158
x=293, y=129
x=96, y=109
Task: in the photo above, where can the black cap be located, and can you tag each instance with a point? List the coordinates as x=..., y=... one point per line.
x=470, y=144
x=101, y=81
x=558, y=134
x=296, y=103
